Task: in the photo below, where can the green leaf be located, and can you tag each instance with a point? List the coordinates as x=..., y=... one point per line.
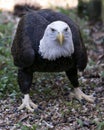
x=80, y=122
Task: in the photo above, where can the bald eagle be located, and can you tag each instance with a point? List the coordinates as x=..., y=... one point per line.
x=48, y=41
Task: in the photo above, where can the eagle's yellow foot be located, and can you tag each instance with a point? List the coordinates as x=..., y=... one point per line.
x=78, y=94
x=26, y=102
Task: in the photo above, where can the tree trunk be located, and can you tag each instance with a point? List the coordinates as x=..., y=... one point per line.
x=92, y=9
x=95, y=10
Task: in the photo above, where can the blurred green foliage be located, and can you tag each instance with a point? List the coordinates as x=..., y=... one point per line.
x=8, y=83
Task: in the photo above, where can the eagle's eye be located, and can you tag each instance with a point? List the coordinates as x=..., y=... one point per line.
x=66, y=29
x=53, y=30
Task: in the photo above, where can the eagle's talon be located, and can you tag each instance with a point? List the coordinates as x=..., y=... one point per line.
x=82, y=97
x=21, y=106
x=27, y=103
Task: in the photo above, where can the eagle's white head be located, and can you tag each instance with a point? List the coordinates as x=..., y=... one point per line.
x=57, y=41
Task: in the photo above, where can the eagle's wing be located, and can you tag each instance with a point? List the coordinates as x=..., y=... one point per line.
x=26, y=41
x=80, y=54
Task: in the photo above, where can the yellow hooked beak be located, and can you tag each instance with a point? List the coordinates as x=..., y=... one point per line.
x=60, y=38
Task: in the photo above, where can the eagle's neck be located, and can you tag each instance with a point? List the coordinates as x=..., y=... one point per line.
x=52, y=50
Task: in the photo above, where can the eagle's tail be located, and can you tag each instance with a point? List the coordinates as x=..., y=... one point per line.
x=20, y=10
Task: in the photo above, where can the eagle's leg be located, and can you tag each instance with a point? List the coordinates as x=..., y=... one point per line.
x=25, y=81
x=77, y=93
